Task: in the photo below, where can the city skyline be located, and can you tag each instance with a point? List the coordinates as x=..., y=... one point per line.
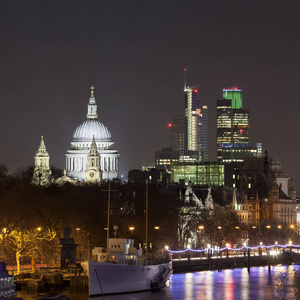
x=134, y=54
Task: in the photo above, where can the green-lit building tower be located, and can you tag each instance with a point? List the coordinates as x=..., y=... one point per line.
x=233, y=129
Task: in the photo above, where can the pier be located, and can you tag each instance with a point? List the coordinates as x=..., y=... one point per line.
x=190, y=260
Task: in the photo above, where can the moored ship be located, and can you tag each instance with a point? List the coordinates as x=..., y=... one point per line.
x=125, y=271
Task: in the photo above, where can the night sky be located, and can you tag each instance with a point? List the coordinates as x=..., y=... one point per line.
x=134, y=53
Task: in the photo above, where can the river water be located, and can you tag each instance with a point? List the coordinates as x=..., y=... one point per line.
x=283, y=282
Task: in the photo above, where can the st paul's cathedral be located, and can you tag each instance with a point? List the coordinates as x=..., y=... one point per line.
x=91, y=157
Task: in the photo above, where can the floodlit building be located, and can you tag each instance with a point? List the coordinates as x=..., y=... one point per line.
x=233, y=129
x=238, y=152
x=91, y=158
x=196, y=129
x=268, y=192
x=189, y=131
x=77, y=156
x=202, y=173
x=42, y=172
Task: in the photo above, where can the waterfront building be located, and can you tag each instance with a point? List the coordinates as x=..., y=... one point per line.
x=267, y=193
x=194, y=199
x=77, y=156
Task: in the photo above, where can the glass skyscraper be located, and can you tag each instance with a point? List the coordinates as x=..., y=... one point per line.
x=233, y=128
x=196, y=130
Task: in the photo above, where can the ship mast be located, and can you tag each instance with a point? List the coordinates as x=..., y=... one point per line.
x=146, y=217
x=108, y=213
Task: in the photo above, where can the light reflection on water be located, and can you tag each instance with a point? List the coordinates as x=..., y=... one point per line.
x=282, y=283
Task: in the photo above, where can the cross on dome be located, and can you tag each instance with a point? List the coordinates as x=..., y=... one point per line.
x=92, y=91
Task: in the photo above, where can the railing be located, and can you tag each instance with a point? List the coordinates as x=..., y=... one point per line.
x=227, y=251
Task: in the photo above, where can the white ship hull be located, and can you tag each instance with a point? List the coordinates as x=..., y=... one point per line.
x=109, y=278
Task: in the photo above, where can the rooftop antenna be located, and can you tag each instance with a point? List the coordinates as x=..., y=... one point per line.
x=184, y=79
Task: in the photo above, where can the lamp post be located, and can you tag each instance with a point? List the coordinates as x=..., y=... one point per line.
x=131, y=228
x=201, y=228
x=166, y=249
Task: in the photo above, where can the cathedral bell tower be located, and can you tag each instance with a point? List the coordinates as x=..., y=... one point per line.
x=93, y=173
x=42, y=172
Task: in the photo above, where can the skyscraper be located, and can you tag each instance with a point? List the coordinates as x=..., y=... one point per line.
x=189, y=131
x=233, y=128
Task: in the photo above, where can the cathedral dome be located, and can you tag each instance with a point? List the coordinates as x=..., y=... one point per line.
x=89, y=128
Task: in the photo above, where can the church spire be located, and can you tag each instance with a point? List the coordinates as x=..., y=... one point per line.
x=42, y=143
x=92, y=106
x=42, y=171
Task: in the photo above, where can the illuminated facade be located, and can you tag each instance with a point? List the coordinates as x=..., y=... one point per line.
x=237, y=152
x=233, y=129
x=203, y=173
x=42, y=172
x=196, y=129
x=189, y=131
x=167, y=157
x=236, y=97
x=77, y=157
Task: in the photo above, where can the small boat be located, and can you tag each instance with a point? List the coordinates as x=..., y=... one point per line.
x=125, y=273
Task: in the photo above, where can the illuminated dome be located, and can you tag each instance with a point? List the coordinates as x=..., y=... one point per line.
x=89, y=128
x=81, y=158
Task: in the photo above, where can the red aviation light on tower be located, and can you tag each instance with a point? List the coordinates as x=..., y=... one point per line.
x=170, y=125
x=196, y=91
x=241, y=130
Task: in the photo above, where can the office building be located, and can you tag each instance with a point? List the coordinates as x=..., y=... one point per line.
x=189, y=131
x=233, y=129
x=202, y=173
